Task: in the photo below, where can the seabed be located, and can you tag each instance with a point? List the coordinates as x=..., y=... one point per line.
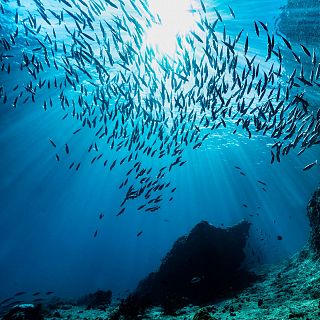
x=290, y=290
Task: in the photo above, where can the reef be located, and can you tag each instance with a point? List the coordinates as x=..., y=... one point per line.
x=301, y=27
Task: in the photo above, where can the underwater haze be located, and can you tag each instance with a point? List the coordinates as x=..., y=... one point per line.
x=125, y=123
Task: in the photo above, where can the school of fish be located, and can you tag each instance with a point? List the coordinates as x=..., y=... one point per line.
x=144, y=108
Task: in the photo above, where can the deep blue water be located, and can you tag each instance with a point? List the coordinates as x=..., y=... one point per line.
x=48, y=213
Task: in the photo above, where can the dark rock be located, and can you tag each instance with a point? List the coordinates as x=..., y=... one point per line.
x=203, y=314
x=57, y=315
x=98, y=300
x=313, y=212
x=211, y=309
x=131, y=308
x=24, y=312
x=170, y=302
x=201, y=267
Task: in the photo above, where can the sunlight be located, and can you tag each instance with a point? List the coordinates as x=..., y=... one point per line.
x=176, y=18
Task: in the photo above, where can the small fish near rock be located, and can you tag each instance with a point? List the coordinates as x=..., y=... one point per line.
x=201, y=267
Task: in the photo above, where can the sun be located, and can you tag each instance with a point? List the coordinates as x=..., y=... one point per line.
x=177, y=18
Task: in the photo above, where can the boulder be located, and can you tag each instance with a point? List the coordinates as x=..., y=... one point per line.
x=313, y=213
x=24, y=312
x=203, y=314
x=201, y=267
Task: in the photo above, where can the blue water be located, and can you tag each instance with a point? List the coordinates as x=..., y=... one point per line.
x=50, y=213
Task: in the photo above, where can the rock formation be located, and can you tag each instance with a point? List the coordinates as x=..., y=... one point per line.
x=24, y=312
x=201, y=267
x=313, y=212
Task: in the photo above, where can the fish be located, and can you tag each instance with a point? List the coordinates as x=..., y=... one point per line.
x=95, y=234
x=232, y=12
x=104, y=70
x=6, y=300
x=121, y=212
x=264, y=26
x=287, y=43
x=52, y=143
x=139, y=233
x=112, y=4
x=310, y=165
x=307, y=52
x=218, y=14
x=195, y=280
x=113, y=164
x=203, y=6
x=246, y=46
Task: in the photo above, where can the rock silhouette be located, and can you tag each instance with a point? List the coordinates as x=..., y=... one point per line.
x=201, y=267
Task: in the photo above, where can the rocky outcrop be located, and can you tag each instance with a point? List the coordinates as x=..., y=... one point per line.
x=300, y=21
x=313, y=212
x=24, y=312
x=203, y=314
x=201, y=267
